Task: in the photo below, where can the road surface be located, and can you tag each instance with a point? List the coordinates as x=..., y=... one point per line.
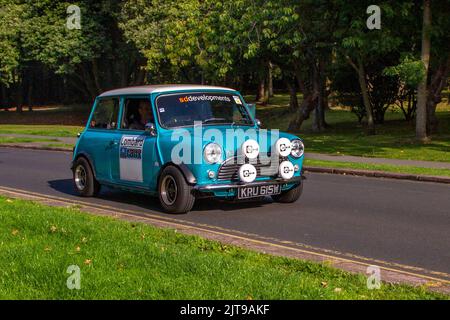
x=402, y=222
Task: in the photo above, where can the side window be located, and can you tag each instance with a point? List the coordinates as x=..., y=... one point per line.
x=137, y=113
x=105, y=114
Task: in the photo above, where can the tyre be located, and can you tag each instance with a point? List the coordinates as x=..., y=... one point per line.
x=175, y=195
x=289, y=196
x=84, y=180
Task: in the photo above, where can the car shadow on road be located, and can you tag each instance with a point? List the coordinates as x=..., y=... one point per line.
x=147, y=202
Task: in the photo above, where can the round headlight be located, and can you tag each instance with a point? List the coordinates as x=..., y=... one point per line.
x=212, y=153
x=297, y=148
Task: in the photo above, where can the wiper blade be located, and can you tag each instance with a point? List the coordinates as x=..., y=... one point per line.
x=214, y=119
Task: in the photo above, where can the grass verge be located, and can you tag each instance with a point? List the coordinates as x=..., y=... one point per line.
x=122, y=260
x=36, y=142
x=41, y=130
x=378, y=167
x=5, y=140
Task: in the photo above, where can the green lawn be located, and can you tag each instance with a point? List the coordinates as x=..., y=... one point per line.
x=41, y=130
x=41, y=142
x=4, y=140
x=377, y=167
x=394, y=139
x=121, y=260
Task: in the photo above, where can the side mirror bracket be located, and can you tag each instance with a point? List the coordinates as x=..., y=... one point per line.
x=150, y=129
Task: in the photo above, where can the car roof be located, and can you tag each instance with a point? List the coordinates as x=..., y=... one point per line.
x=160, y=88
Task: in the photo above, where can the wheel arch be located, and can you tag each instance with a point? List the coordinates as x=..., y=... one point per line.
x=88, y=159
x=187, y=173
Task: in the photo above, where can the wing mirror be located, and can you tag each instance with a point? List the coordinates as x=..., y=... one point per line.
x=150, y=128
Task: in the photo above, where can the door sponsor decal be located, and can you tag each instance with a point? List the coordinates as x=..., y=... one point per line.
x=131, y=148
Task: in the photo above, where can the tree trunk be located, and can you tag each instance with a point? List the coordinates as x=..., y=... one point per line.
x=96, y=75
x=86, y=78
x=308, y=103
x=307, y=106
x=438, y=83
x=366, y=100
x=30, y=81
x=322, y=103
x=421, y=113
x=261, y=89
x=316, y=123
x=4, y=98
x=293, y=101
x=19, y=97
x=270, y=80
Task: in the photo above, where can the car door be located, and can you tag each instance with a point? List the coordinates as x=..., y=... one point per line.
x=135, y=154
x=101, y=136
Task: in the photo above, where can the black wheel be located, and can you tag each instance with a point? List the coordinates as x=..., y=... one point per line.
x=289, y=196
x=175, y=194
x=83, y=179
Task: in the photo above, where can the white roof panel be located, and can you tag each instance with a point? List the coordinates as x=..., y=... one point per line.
x=160, y=88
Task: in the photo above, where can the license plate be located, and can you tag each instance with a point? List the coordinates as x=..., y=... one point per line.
x=259, y=191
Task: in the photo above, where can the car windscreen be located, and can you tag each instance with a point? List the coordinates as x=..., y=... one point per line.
x=179, y=110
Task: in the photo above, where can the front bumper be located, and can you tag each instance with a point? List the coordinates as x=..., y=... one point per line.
x=235, y=185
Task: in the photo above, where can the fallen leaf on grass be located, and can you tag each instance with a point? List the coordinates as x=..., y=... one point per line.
x=324, y=284
x=53, y=229
x=15, y=232
x=87, y=261
x=337, y=290
x=433, y=284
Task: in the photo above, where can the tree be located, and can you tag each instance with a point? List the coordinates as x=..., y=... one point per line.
x=421, y=113
x=362, y=47
x=439, y=68
x=94, y=58
x=12, y=57
x=409, y=73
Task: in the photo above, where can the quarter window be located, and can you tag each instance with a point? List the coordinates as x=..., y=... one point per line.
x=105, y=114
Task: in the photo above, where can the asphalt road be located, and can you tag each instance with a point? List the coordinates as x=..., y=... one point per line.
x=396, y=221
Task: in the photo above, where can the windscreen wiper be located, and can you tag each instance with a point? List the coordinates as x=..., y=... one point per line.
x=214, y=119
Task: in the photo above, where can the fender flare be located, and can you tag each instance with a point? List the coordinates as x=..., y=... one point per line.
x=188, y=175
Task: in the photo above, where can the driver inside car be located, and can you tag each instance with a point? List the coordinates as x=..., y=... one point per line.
x=144, y=116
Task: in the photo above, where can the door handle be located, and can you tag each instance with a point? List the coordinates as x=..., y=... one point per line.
x=114, y=143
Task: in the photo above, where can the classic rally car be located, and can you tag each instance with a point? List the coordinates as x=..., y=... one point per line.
x=182, y=142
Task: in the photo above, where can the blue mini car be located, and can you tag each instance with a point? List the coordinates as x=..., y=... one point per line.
x=184, y=142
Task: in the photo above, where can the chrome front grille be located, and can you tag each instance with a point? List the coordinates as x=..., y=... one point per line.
x=230, y=168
